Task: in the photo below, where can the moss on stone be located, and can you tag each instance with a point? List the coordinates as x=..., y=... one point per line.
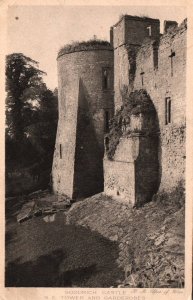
x=137, y=102
x=76, y=46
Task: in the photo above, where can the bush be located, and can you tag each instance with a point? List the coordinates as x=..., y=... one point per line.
x=84, y=46
x=135, y=103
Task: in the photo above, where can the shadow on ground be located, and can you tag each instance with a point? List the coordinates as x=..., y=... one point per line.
x=53, y=254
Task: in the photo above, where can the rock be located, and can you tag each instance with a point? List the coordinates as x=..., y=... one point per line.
x=23, y=217
x=61, y=204
x=121, y=245
x=38, y=194
x=124, y=207
x=121, y=232
x=163, y=227
x=160, y=239
x=152, y=236
x=49, y=218
x=49, y=211
x=62, y=198
x=37, y=212
x=120, y=286
x=35, y=194
x=26, y=212
x=114, y=238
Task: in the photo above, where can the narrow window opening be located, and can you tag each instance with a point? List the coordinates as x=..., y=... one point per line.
x=142, y=79
x=155, y=56
x=106, y=121
x=171, y=56
x=105, y=78
x=60, y=151
x=168, y=104
x=169, y=111
x=149, y=30
x=107, y=143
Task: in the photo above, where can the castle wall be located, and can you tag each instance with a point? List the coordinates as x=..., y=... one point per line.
x=137, y=29
x=163, y=82
x=159, y=82
x=146, y=169
x=129, y=34
x=116, y=177
x=121, y=73
x=119, y=173
x=83, y=103
x=64, y=154
x=143, y=60
x=132, y=30
x=132, y=175
x=159, y=67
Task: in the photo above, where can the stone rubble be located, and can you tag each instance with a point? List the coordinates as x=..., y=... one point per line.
x=42, y=205
x=150, y=239
x=26, y=212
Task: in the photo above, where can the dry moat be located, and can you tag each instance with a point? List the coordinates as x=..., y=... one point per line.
x=98, y=242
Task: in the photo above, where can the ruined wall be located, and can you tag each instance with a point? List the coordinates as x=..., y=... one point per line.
x=121, y=73
x=143, y=60
x=160, y=69
x=159, y=81
x=163, y=80
x=132, y=172
x=128, y=35
x=83, y=103
x=132, y=175
x=119, y=173
x=63, y=161
x=146, y=169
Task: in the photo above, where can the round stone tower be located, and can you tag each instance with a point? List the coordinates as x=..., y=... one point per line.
x=85, y=86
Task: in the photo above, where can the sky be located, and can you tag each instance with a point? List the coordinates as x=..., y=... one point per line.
x=40, y=31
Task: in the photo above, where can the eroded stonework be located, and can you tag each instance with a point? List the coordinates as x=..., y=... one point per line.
x=150, y=154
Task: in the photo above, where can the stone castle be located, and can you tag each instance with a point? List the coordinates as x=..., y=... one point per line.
x=138, y=81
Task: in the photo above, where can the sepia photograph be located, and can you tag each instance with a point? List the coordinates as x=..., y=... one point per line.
x=95, y=146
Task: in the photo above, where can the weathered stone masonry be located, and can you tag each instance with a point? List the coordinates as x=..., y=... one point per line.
x=157, y=65
x=162, y=83
x=143, y=163
x=84, y=103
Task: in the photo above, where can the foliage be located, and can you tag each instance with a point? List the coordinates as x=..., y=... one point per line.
x=42, y=133
x=85, y=45
x=31, y=117
x=133, y=104
x=24, y=86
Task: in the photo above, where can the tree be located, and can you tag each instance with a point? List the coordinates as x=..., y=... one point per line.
x=24, y=86
x=32, y=114
x=42, y=133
